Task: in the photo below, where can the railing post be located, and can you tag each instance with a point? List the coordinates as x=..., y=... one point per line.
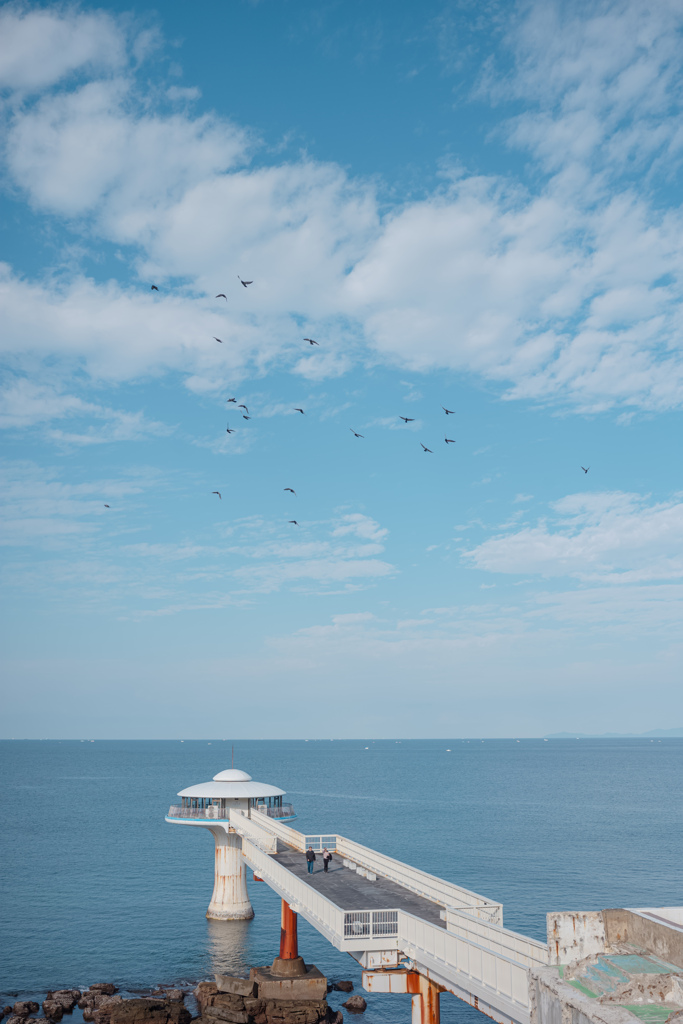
x=289, y=946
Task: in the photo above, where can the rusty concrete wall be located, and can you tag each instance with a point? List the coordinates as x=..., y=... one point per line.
x=625, y=926
x=573, y=935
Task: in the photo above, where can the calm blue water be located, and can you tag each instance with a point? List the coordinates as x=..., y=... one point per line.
x=97, y=887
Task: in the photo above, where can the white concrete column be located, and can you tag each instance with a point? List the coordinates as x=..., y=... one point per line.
x=230, y=900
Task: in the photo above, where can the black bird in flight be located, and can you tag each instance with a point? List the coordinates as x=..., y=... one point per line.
x=585, y=469
x=154, y=288
x=232, y=399
x=407, y=419
x=301, y=411
x=218, y=493
x=216, y=339
x=107, y=506
x=449, y=440
x=426, y=449
x=312, y=341
x=228, y=430
x=245, y=284
x=293, y=521
x=246, y=417
x=221, y=295
x=290, y=490
x=354, y=432
x=449, y=412
x=243, y=407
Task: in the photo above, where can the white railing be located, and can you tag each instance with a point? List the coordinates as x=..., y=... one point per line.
x=320, y=843
x=250, y=829
x=284, y=811
x=510, y=944
x=438, y=890
x=488, y=974
x=273, y=826
x=211, y=813
x=370, y=923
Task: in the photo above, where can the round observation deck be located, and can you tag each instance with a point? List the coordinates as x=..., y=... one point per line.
x=230, y=789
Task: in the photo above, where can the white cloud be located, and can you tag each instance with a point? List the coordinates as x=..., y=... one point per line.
x=569, y=292
x=41, y=511
x=79, y=151
x=606, y=78
x=317, y=562
x=40, y=47
x=38, y=508
x=612, y=536
x=359, y=525
x=24, y=403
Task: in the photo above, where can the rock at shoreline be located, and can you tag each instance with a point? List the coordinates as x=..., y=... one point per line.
x=146, y=1011
x=53, y=1010
x=356, y=1004
x=343, y=986
x=335, y=1018
x=105, y=987
x=176, y=995
x=23, y=1008
x=66, y=997
x=102, y=1009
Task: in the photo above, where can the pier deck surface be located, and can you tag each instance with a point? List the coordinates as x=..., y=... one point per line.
x=351, y=891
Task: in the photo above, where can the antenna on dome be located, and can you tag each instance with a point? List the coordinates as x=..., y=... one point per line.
x=232, y=763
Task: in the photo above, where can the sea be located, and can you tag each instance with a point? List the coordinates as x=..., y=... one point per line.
x=95, y=886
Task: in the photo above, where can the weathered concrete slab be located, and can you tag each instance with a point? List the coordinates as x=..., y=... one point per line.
x=312, y=986
x=235, y=986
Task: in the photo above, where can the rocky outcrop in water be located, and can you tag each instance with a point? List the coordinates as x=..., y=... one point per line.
x=24, y=1008
x=356, y=1004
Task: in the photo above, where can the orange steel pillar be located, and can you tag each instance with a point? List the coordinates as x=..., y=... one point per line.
x=426, y=1002
x=289, y=949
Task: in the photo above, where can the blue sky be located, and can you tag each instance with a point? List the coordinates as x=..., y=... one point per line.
x=474, y=206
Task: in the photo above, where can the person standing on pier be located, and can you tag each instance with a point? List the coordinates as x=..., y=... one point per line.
x=327, y=857
x=310, y=857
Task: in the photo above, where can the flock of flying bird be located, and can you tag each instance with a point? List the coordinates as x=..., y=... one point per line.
x=312, y=341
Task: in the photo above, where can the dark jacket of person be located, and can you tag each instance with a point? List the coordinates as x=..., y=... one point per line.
x=310, y=855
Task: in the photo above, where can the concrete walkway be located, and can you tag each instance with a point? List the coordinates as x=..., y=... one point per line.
x=351, y=891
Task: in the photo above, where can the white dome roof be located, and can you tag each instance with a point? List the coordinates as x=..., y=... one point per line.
x=232, y=784
x=232, y=775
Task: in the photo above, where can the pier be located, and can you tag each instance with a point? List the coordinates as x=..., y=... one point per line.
x=415, y=933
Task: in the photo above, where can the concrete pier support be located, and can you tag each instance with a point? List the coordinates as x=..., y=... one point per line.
x=289, y=943
x=426, y=1003
x=426, y=1007
x=230, y=900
